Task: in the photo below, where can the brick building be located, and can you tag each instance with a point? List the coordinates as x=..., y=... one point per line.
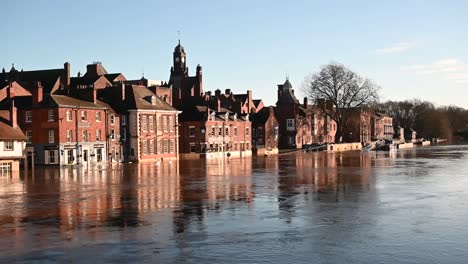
x=381, y=127
x=150, y=130
x=358, y=126
x=12, y=139
x=208, y=128
x=64, y=122
x=300, y=124
x=215, y=133
x=265, y=132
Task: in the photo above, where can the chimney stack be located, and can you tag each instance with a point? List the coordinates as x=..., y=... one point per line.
x=37, y=93
x=122, y=91
x=94, y=95
x=66, y=75
x=13, y=115
x=305, y=102
x=11, y=92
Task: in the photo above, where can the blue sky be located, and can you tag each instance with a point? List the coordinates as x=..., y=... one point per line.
x=411, y=48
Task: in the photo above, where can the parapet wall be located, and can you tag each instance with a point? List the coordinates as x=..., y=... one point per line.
x=344, y=147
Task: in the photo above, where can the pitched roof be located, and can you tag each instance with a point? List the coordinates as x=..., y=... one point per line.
x=8, y=132
x=48, y=78
x=261, y=116
x=17, y=89
x=112, y=76
x=68, y=101
x=257, y=102
x=140, y=97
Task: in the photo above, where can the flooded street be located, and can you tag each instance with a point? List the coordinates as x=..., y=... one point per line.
x=296, y=208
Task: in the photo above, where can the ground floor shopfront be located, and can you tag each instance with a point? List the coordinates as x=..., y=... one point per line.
x=70, y=153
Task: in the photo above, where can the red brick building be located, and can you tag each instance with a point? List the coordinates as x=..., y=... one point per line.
x=64, y=122
x=150, y=130
x=300, y=124
x=265, y=132
x=208, y=128
x=210, y=133
x=381, y=127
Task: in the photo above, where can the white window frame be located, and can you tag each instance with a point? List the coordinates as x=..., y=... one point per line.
x=290, y=124
x=8, y=145
x=112, y=134
x=144, y=123
x=192, y=129
x=145, y=147
x=69, y=135
x=171, y=123
x=50, y=115
x=69, y=115
x=51, y=136
x=151, y=123
x=28, y=116
x=29, y=136
x=151, y=147
x=165, y=124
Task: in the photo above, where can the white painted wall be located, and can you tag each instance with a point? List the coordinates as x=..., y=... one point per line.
x=18, y=149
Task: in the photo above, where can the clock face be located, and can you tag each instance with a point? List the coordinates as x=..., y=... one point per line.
x=177, y=59
x=183, y=59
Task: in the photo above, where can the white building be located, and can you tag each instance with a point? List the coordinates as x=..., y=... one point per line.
x=12, y=142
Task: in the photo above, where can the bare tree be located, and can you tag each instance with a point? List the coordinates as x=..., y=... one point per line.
x=336, y=90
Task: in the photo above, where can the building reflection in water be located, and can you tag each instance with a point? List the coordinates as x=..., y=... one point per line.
x=206, y=185
x=325, y=177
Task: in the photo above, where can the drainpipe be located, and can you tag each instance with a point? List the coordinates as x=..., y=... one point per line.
x=76, y=135
x=106, y=128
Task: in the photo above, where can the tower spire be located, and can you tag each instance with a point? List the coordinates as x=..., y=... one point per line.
x=178, y=34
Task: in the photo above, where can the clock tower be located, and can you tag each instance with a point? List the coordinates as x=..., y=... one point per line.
x=179, y=61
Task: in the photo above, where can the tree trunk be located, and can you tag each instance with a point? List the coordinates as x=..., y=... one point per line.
x=339, y=133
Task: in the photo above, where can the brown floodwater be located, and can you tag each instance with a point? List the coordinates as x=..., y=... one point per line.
x=408, y=207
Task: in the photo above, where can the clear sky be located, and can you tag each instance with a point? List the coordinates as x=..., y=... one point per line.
x=411, y=48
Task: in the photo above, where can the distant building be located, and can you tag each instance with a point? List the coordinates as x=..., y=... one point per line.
x=211, y=125
x=301, y=124
x=211, y=133
x=381, y=127
x=358, y=125
x=265, y=132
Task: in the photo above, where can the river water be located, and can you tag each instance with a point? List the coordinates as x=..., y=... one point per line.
x=408, y=207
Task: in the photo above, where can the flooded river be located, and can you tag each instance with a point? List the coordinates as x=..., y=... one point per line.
x=296, y=208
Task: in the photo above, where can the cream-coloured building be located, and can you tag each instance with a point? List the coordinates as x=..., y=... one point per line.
x=12, y=142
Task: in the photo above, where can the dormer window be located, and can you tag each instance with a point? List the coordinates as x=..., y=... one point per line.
x=226, y=116
x=213, y=116
x=247, y=117
x=235, y=116
x=153, y=100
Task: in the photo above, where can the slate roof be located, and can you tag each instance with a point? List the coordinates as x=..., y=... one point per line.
x=257, y=102
x=48, y=78
x=112, y=76
x=8, y=132
x=67, y=101
x=139, y=97
x=288, y=96
x=261, y=116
